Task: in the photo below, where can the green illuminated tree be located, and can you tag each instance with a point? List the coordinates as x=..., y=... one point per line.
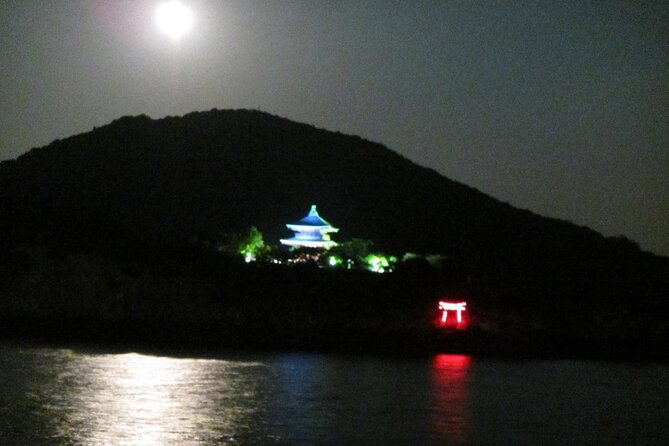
x=380, y=263
x=251, y=246
x=352, y=252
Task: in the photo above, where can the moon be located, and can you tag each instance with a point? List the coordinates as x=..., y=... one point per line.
x=174, y=19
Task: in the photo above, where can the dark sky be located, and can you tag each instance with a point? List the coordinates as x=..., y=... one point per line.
x=558, y=107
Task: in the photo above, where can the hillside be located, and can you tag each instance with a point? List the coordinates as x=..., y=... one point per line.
x=171, y=181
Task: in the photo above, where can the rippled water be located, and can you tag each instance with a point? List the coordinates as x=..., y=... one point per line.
x=60, y=396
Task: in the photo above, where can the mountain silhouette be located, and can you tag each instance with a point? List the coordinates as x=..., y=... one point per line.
x=176, y=180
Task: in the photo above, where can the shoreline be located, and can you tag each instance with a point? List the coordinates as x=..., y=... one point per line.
x=461, y=344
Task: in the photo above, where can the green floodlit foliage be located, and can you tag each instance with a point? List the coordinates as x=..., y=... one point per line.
x=355, y=254
x=380, y=263
x=352, y=252
x=252, y=246
x=436, y=261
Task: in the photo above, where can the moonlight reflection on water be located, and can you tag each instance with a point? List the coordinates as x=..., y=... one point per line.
x=135, y=399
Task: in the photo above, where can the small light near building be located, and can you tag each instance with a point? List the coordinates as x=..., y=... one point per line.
x=452, y=315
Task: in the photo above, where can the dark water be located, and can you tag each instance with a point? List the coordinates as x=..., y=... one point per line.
x=59, y=396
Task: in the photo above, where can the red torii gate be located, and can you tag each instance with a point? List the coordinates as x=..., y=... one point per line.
x=459, y=307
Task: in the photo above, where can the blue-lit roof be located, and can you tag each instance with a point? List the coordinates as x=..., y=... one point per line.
x=312, y=219
x=312, y=232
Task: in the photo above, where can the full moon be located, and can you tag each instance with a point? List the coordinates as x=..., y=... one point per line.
x=174, y=19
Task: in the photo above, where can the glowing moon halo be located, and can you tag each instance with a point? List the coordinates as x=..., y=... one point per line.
x=174, y=19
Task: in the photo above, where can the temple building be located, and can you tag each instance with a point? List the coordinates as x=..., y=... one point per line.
x=311, y=232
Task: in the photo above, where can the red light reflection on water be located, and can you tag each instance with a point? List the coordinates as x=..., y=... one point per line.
x=449, y=409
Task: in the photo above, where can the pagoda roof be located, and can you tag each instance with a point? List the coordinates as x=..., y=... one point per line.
x=312, y=219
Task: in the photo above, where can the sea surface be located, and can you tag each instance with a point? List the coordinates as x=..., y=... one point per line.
x=75, y=397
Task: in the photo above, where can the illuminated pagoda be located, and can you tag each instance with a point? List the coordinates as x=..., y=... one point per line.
x=311, y=232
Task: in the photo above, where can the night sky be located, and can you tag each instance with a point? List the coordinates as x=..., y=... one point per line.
x=557, y=107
